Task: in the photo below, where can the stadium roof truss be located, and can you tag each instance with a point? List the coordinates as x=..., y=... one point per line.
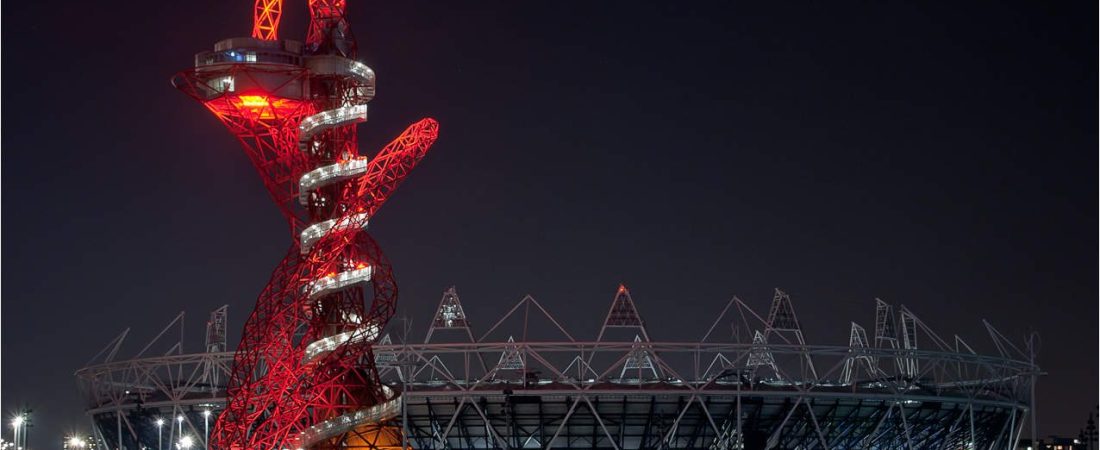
x=763, y=386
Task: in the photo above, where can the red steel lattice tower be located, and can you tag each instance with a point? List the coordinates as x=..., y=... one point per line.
x=303, y=375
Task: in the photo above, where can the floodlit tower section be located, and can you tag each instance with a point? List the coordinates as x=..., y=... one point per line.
x=760, y=355
x=449, y=316
x=215, y=342
x=909, y=342
x=782, y=319
x=511, y=358
x=885, y=326
x=623, y=314
x=385, y=358
x=886, y=330
x=858, y=355
x=303, y=375
x=639, y=361
x=215, y=330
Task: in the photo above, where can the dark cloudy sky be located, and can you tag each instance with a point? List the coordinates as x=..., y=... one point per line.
x=941, y=156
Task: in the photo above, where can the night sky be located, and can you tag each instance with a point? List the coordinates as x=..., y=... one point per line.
x=943, y=157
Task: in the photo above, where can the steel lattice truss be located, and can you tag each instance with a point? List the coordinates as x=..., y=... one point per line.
x=265, y=19
x=699, y=402
x=305, y=357
x=127, y=397
x=528, y=383
x=634, y=393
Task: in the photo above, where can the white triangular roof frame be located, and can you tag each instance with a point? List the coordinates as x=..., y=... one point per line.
x=781, y=303
x=385, y=358
x=527, y=301
x=450, y=298
x=639, y=359
x=721, y=362
x=511, y=358
x=583, y=369
x=782, y=311
x=886, y=327
x=622, y=296
x=434, y=365
x=759, y=354
x=858, y=357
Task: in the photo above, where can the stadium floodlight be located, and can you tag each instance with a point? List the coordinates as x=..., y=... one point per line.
x=160, y=433
x=76, y=442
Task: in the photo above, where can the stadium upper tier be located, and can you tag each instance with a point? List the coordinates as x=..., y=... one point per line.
x=759, y=385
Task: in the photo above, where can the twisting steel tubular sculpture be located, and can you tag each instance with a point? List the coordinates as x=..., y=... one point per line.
x=303, y=375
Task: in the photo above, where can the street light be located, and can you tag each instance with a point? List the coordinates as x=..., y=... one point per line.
x=186, y=442
x=179, y=419
x=206, y=428
x=17, y=424
x=160, y=434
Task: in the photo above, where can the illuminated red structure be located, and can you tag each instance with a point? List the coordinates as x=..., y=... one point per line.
x=303, y=374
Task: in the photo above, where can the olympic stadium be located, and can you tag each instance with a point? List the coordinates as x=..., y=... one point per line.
x=751, y=381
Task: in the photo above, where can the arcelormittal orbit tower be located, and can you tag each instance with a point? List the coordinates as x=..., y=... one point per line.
x=303, y=375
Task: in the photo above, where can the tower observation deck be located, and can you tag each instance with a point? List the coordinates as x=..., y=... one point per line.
x=302, y=376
